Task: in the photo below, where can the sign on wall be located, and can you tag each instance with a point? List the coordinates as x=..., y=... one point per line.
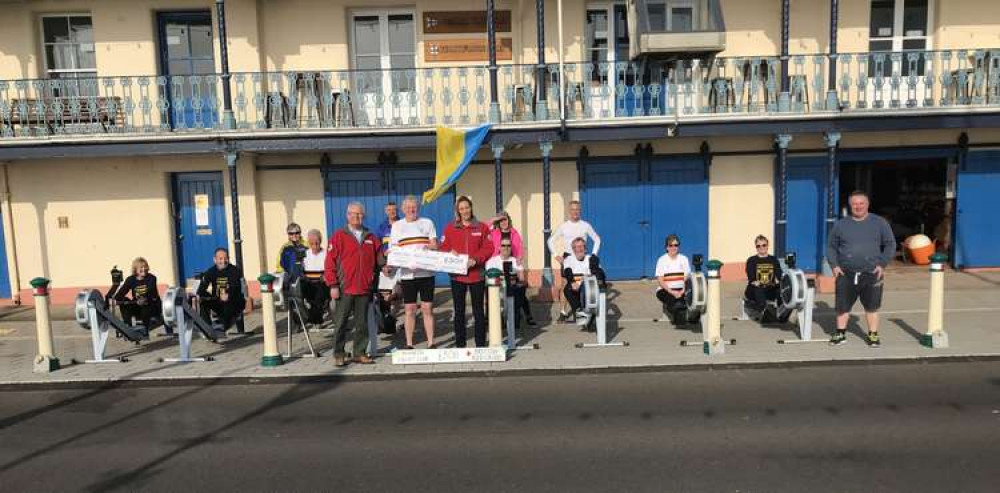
x=466, y=50
x=462, y=22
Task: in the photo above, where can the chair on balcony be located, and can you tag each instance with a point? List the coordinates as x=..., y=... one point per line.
x=759, y=74
x=721, y=96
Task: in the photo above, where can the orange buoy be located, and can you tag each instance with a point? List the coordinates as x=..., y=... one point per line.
x=920, y=249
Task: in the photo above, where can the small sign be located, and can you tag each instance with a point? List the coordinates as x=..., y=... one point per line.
x=466, y=50
x=461, y=22
x=204, y=232
x=449, y=355
x=201, y=210
x=428, y=260
x=173, y=40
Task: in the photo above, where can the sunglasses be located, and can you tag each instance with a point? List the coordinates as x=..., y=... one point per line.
x=504, y=246
x=674, y=245
x=297, y=233
x=762, y=246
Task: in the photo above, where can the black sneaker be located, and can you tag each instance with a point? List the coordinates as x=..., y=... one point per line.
x=839, y=337
x=873, y=340
x=563, y=316
x=531, y=322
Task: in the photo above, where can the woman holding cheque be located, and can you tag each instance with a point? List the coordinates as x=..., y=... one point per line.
x=467, y=236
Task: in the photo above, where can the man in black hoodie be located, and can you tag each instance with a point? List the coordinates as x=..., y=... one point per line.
x=221, y=290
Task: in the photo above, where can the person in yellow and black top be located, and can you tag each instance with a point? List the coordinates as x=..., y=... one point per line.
x=138, y=298
x=314, y=290
x=291, y=251
x=221, y=290
x=763, y=274
x=575, y=267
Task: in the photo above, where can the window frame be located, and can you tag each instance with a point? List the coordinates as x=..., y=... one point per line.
x=47, y=71
x=898, y=34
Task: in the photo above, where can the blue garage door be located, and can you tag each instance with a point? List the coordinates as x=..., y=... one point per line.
x=977, y=237
x=375, y=187
x=634, y=204
x=806, y=232
x=201, y=221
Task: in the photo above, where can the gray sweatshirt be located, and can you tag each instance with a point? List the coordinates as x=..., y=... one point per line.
x=858, y=246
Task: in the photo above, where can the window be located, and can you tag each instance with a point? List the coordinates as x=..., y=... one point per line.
x=899, y=25
x=68, y=44
x=606, y=25
x=672, y=15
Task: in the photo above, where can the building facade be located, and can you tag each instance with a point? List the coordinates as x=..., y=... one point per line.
x=166, y=128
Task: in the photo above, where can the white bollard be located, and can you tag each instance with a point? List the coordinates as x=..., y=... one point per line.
x=936, y=337
x=271, y=355
x=45, y=361
x=496, y=311
x=712, y=342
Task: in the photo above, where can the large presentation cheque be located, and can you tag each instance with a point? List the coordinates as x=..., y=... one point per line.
x=429, y=260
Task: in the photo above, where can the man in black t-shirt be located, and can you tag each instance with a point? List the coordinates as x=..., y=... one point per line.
x=763, y=274
x=221, y=290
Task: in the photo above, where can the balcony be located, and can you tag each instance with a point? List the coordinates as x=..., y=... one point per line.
x=644, y=91
x=673, y=29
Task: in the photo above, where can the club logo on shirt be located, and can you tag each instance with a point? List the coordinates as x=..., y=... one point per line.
x=415, y=240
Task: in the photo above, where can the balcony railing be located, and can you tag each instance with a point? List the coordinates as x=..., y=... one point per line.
x=727, y=88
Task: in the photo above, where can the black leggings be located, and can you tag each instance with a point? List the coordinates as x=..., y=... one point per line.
x=477, y=293
x=142, y=314
x=758, y=296
x=227, y=311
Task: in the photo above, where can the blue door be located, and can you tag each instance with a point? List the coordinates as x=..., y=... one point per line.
x=375, y=187
x=805, y=232
x=4, y=272
x=200, y=221
x=634, y=209
x=187, y=58
x=977, y=234
x=614, y=205
x=678, y=204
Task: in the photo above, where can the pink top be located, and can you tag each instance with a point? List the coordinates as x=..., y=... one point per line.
x=517, y=248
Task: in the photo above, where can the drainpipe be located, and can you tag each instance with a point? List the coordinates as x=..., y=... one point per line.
x=832, y=141
x=228, y=120
x=8, y=227
x=546, y=148
x=781, y=220
x=491, y=36
x=831, y=83
x=234, y=197
x=784, y=99
x=542, y=113
x=562, y=80
x=498, y=171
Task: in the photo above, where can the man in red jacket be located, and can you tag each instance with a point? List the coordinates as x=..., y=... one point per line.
x=466, y=235
x=352, y=262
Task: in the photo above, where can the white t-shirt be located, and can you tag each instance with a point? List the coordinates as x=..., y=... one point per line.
x=579, y=268
x=674, y=271
x=570, y=231
x=416, y=235
x=496, y=262
x=314, y=263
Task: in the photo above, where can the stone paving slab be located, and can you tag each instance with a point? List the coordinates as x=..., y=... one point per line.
x=971, y=318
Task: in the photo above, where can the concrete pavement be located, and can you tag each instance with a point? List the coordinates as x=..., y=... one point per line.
x=972, y=319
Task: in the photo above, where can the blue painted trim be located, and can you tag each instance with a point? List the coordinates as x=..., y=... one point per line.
x=894, y=153
x=4, y=267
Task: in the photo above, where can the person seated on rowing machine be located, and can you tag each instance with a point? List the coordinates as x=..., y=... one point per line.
x=221, y=291
x=672, y=270
x=138, y=299
x=575, y=267
x=763, y=274
x=513, y=274
x=315, y=292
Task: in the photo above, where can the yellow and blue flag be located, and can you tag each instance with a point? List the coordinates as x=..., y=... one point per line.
x=455, y=150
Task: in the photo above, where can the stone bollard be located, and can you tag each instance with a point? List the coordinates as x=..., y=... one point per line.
x=712, y=330
x=271, y=355
x=936, y=337
x=496, y=311
x=45, y=361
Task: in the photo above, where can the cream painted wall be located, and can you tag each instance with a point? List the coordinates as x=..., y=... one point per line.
x=740, y=205
x=288, y=196
x=117, y=209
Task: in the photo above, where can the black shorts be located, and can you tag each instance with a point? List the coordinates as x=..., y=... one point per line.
x=853, y=286
x=422, y=286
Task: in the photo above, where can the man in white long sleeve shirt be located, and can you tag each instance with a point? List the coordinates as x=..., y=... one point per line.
x=573, y=228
